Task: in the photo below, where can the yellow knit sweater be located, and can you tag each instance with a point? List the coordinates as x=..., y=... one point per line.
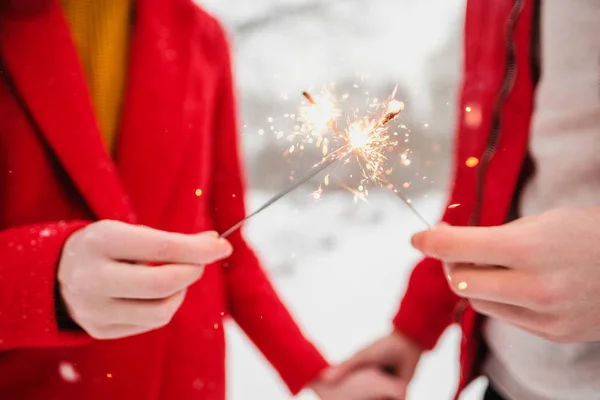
x=101, y=30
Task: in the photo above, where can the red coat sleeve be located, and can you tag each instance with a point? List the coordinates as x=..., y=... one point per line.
x=429, y=306
x=29, y=258
x=253, y=302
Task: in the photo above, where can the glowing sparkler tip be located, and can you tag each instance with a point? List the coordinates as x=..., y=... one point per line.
x=320, y=113
x=395, y=106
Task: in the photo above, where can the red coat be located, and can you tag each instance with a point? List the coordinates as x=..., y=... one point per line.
x=177, y=135
x=496, y=104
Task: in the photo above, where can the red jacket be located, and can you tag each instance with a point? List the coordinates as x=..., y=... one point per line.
x=496, y=104
x=177, y=135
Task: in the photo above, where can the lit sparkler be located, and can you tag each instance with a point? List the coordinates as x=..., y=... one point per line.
x=365, y=138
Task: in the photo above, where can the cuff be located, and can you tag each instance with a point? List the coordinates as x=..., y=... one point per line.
x=300, y=374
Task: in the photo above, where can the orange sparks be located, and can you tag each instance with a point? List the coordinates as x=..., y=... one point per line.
x=365, y=140
x=109, y=375
x=454, y=205
x=472, y=162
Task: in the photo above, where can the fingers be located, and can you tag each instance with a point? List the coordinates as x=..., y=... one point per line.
x=389, y=388
x=375, y=385
x=149, y=314
x=109, y=297
x=489, y=283
x=340, y=371
x=122, y=241
x=116, y=331
x=520, y=317
x=364, y=384
x=394, y=353
x=546, y=325
x=481, y=245
x=136, y=281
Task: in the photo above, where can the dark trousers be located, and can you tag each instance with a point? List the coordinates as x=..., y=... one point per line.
x=491, y=394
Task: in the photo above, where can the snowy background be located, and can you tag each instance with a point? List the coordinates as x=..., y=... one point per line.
x=342, y=266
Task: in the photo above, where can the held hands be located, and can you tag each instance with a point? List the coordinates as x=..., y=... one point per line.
x=362, y=384
x=381, y=371
x=108, y=289
x=540, y=273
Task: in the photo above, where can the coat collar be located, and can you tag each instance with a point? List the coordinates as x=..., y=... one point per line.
x=41, y=58
x=154, y=134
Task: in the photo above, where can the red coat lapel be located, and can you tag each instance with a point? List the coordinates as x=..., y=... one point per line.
x=154, y=130
x=42, y=60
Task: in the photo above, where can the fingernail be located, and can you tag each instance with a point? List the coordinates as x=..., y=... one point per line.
x=415, y=240
x=227, y=247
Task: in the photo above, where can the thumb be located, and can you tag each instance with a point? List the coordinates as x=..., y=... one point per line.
x=337, y=373
x=392, y=388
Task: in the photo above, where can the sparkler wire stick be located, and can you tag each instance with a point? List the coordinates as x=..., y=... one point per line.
x=402, y=197
x=314, y=171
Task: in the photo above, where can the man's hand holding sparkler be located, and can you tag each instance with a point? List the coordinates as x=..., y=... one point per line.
x=539, y=273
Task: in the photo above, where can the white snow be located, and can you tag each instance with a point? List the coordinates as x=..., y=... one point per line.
x=344, y=293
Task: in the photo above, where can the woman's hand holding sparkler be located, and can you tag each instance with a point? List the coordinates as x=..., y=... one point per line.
x=109, y=290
